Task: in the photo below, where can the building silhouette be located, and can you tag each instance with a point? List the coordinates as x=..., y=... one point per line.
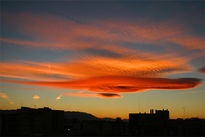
x=158, y=124
x=27, y=121
x=149, y=124
x=46, y=122
x=96, y=127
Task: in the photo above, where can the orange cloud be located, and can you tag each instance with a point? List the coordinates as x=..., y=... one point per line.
x=188, y=41
x=58, y=32
x=95, y=95
x=6, y=97
x=117, y=84
x=36, y=97
x=109, y=95
x=38, y=71
x=58, y=97
x=11, y=102
x=21, y=88
x=142, y=65
x=23, y=42
x=106, y=65
x=127, y=66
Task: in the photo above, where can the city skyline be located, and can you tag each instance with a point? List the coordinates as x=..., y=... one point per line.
x=105, y=58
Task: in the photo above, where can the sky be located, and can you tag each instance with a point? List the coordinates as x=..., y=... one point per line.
x=107, y=58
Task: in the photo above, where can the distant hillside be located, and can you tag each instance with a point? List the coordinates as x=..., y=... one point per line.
x=108, y=119
x=79, y=115
x=86, y=116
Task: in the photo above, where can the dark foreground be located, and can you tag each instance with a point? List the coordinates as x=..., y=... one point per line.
x=46, y=122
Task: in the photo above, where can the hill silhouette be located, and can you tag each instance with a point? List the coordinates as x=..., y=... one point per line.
x=79, y=115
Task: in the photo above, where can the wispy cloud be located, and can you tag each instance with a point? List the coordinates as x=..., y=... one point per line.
x=6, y=97
x=93, y=66
x=106, y=65
x=21, y=88
x=36, y=97
x=59, y=97
x=60, y=33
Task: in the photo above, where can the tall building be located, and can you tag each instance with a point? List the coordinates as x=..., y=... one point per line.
x=149, y=123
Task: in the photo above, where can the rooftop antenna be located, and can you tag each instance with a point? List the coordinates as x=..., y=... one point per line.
x=162, y=107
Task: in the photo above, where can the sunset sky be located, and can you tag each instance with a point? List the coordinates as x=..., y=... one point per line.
x=106, y=58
